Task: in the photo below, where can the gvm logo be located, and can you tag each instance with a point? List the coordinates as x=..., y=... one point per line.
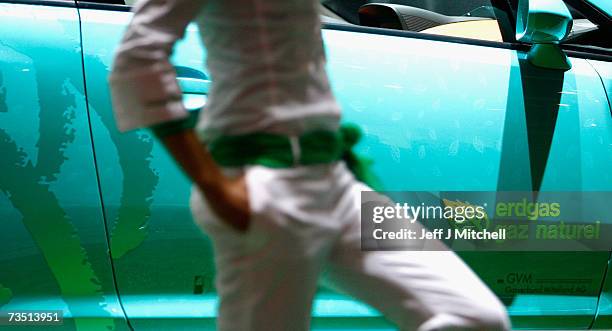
x=519, y=278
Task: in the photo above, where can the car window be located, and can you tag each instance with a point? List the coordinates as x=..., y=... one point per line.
x=475, y=19
x=327, y=15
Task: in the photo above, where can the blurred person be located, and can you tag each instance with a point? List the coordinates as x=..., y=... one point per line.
x=270, y=188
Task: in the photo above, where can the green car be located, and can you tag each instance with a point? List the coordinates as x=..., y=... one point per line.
x=452, y=95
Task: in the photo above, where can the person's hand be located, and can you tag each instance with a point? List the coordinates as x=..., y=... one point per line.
x=228, y=198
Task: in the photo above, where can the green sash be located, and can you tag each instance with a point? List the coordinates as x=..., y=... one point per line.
x=276, y=151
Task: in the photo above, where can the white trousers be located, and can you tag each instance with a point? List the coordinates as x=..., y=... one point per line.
x=305, y=228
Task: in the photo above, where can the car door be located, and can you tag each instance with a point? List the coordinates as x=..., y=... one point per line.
x=445, y=113
x=163, y=262
x=604, y=309
x=53, y=244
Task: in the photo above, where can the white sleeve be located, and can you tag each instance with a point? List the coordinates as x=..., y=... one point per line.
x=143, y=83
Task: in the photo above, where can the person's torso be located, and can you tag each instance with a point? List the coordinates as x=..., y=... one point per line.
x=267, y=64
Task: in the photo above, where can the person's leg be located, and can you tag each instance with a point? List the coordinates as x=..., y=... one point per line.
x=417, y=290
x=266, y=278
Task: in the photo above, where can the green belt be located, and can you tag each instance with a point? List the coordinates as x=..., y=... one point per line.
x=281, y=151
x=278, y=151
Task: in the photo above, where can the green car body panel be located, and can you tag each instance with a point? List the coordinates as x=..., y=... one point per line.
x=53, y=241
x=603, y=319
x=437, y=116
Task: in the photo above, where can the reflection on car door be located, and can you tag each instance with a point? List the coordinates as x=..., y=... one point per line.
x=53, y=245
x=163, y=262
x=445, y=116
x=438, y=116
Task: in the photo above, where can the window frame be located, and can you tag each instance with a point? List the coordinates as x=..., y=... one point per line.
x=55, y=3
x=103, y=5
x=510, y=42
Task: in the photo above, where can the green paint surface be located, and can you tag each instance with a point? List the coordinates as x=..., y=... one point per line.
x=139, y=181
x=134, y=150
x=5, y=295
x=53, y=233
x=458, y=150
x=32, y=179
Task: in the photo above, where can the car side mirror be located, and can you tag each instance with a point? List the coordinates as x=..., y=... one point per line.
x=544, y=24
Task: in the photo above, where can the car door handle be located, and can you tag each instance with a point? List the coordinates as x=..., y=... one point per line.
x=192, y=81
x=194, y=84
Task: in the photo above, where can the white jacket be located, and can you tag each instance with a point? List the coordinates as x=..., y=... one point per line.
x=265, y=58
